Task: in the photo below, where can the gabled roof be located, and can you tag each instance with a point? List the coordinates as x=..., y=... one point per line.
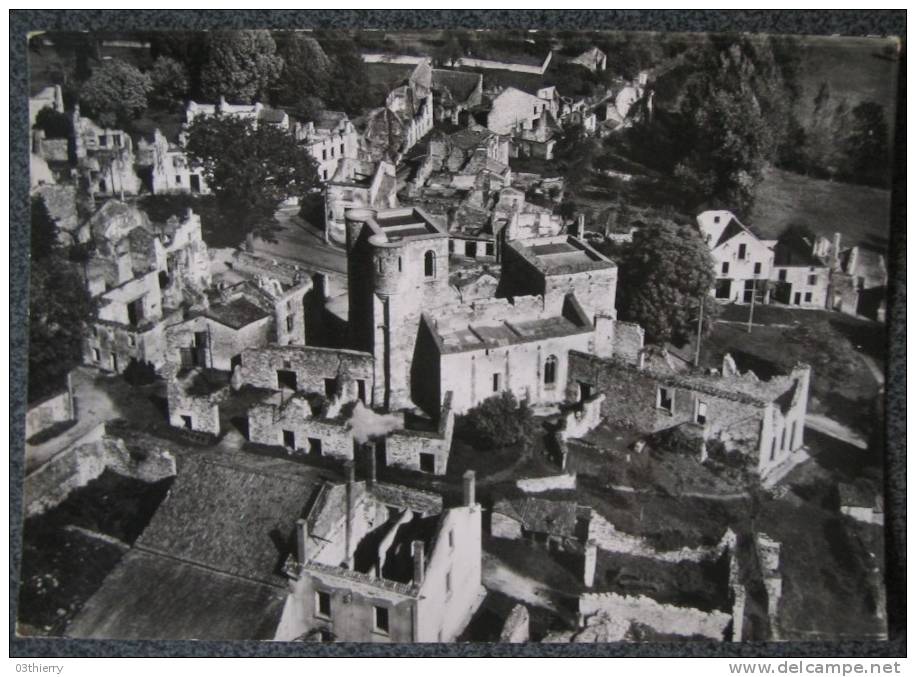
x=233, y=514
x=149, y=596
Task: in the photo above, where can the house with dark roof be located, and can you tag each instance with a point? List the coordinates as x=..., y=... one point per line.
x=209, y=565
x=384, y=564
x=801, y=277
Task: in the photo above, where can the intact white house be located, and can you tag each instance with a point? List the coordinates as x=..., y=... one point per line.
x=743, y=261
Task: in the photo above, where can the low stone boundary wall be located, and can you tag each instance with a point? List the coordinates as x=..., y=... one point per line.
x=536, y=485
x=663, y=618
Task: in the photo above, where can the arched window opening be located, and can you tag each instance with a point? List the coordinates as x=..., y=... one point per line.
x=550, y=370
x=429, y=264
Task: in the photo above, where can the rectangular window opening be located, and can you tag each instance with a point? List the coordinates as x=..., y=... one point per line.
x=381, y=620
x=322, y=604
x=665, y=400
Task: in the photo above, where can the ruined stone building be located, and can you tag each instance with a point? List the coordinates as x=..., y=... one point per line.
x=140, y=274
x=167, y=165
x=515, y=110
x=593, y=59
x=357, y=183
x=383, y=563
x=391, y=131
x=763, y=421
x=105, y=158
x=330, y=139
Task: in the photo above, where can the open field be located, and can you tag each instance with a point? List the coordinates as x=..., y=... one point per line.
x=860, y=213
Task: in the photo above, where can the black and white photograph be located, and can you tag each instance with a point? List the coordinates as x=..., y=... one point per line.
x=457, y=336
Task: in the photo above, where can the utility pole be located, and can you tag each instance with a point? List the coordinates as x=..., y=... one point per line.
x=750, y=317
x=696, y=355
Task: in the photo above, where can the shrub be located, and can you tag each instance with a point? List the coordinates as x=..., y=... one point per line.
x=498, y=421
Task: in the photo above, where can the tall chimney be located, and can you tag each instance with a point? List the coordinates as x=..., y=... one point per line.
x=468, y=486
x=348, y=522
x=418, y=556
x=370, y=480
x=302, y=537
x=580, y=226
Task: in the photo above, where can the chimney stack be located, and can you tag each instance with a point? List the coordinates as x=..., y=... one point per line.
x=370, y=480
x=468, y=486
x=418, y=556
x=302, y=537
x=348, y=521
x=580, y=226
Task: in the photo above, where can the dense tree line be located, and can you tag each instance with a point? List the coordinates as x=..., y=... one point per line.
x=58, y=307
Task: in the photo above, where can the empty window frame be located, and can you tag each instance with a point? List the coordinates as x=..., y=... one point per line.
x=380, y=620
x=758, y=267
x=725, y=267
x=289, y=439
x=496, y=381
x=429, y=264
x=322, y=604
x=550, y=370
x=742, y=251
x=665, y=399
x=701, y=413
x=783, y=275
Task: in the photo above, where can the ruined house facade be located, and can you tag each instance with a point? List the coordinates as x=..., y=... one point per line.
x=140, y=273
x=384, y=564
x=764, y=421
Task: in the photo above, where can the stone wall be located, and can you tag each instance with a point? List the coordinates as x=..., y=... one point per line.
x=582, y=420
x=663, y=618
x=52, y=483
x=225, y=343
x=515, y=629
x=606, y=536
x=312, y=367
x=55, y=409
x=267, y=422
x=538, y=484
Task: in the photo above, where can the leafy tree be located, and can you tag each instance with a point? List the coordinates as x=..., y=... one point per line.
x=251, y=170
x=241, y=65
x=867, y=143
x=306, y=74
x=498, y=421
x=169, y=79
x=351, y=91
x=189, y=48
x=58, y=307
x=54, y=124
x=43, y=230
x=448, y=52
x=115, y=93
x=664, y=274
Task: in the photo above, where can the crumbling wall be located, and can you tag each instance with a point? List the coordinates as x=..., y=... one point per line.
x=607, y=537
x=267, y=421
x=516, y=628
x=538, y=484
x=311, y=366
x=582, y=420
x=55, y=409
x=768, y=554
x=504, y=526
x=663, y=618
x=74, y=468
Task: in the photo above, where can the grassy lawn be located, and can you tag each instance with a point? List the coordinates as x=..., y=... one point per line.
x=860, y=213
